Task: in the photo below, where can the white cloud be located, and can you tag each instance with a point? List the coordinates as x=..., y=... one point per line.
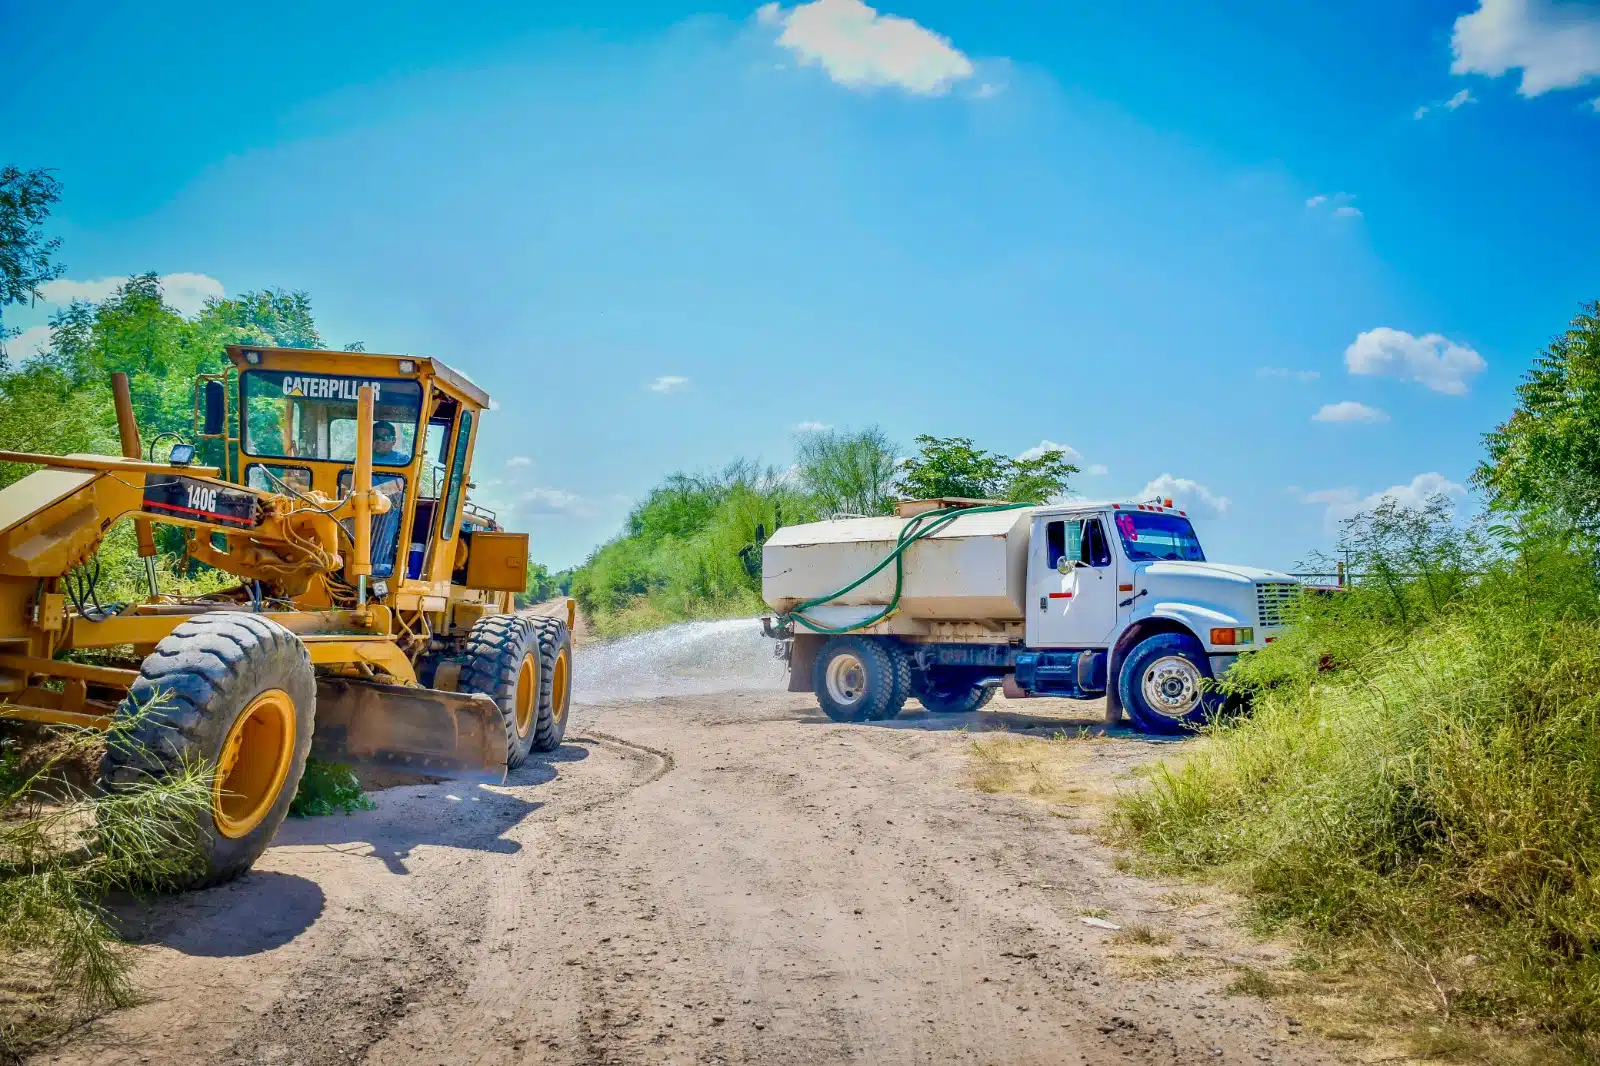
x=1316, y=201
x=988, y=89
x=1288, y=374
x=553, y=502
x=667, y=383
x=1349, y=411
x=1339, y=202
x=1097, y=470
x=1421, y=112
x=1460, y=99
x=812, y=427
x=1344, y=503
x=185, y=293
x=1071, y=454
x=27, y=344
x=1433, y=360
x=1555, y=45
x=860, y=48
x=1346, y=211
x=1186, y=495
x=519, y=460
x=1595, y=103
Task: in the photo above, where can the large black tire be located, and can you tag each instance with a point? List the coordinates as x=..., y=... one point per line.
x=900, y=663
x=234, y=692
x=1162, y=685
x=504, y=663
x=857, y=679
x=555, y=683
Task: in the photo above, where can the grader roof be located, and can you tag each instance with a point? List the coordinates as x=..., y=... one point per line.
x=325, y=361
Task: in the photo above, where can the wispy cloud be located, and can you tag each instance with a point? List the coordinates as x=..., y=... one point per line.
x=861, y=48
x=1339, y=203
x=812, y=427
x=1345, y=503
x=667, y=383
x=519, y=460
x=1349, y=411
x=1288, y=374
x=1459, y=100
x=1071, y=454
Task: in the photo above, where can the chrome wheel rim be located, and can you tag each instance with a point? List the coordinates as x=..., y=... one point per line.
x=847, y=679
x=1171, y=686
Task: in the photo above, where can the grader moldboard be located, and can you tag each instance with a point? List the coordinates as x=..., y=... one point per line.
x=373, y=622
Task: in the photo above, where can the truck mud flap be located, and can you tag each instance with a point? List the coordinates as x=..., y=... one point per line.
x=416, y=730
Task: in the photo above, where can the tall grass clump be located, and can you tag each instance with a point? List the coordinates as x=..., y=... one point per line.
x=63, y=849
x=1418, y=782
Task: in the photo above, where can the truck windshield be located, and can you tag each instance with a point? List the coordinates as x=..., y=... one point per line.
x=1146, y=536
x=313, y=416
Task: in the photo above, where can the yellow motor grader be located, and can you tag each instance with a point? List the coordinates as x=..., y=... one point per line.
x=373, y=622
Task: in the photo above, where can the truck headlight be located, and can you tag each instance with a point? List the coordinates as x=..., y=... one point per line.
x=1238, y=636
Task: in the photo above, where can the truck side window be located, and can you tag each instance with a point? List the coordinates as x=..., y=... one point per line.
x=1055, y=543
x=1096, y=552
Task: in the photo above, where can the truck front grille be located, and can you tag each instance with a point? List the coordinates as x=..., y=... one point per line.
x=1272, y=597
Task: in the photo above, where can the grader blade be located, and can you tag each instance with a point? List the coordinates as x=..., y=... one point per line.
x=416, y=730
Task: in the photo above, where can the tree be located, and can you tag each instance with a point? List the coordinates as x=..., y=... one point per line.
x=26, y=197
x=1546, y=456
x=953, y=466
x=848, y=472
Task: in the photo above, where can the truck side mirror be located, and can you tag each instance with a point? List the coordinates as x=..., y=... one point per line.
x=1063, y=565
x=216, y=400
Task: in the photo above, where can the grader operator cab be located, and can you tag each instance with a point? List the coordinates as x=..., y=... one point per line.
x=372, y=623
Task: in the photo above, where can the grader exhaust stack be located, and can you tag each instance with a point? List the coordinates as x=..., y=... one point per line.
x=372, y=622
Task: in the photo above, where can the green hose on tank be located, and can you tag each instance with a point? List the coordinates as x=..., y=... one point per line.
x=918, y=528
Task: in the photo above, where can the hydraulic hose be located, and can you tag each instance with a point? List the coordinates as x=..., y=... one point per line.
x=918, y=528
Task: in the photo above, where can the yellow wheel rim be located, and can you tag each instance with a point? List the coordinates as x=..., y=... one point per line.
x=527, y=698
x=558, y=687
x=254, y=764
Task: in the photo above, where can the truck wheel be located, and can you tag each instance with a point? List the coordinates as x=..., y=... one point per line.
x=855, y=679
x=232, y=691
x=900, y=663
x=555, y=682
x=954, y=698
x=1161, y=685
x=504, y=663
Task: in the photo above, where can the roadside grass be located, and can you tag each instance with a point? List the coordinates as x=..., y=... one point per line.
x=63, y=850
x=1416, y=797
x=1047, y=770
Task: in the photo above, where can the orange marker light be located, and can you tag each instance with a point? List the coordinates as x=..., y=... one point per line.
x=1222, y=636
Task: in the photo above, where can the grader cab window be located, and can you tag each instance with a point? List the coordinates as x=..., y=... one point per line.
x=313, y=416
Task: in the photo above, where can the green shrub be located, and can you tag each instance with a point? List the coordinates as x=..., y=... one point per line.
x=329, y=788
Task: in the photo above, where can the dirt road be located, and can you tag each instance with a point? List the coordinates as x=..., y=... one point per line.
x=700, y=879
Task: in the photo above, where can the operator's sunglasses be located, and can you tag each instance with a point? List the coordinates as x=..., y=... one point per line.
x=383, y=436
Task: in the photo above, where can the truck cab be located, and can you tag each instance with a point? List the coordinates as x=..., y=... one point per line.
x=1104, y=578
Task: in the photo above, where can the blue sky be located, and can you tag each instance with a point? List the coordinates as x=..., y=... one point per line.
x=1269, y=258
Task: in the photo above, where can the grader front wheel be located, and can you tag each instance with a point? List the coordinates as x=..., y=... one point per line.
x=505, y=663
x=234, y=693
x=555, y=689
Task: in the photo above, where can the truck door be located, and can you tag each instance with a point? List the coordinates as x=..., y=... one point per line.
x=1076, y=609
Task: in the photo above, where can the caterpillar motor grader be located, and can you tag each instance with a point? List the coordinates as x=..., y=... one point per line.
x=372, y=622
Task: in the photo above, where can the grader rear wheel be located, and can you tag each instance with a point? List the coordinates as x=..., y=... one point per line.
x=504, y=662
x=555, y=692
x=235, y=693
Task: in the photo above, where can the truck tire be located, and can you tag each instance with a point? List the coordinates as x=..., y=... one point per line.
x=962, y=698
x=230, y=691
x=504, y=662
x=555, y=682
x=900, y=662
x=1161, y=685
x=855, y=679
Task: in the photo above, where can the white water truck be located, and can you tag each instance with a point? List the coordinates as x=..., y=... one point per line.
x=950, y=599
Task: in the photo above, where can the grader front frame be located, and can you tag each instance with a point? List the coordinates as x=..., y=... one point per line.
x=335, y=642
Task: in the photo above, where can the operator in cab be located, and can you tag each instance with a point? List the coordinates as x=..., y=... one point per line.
x=384, y=451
